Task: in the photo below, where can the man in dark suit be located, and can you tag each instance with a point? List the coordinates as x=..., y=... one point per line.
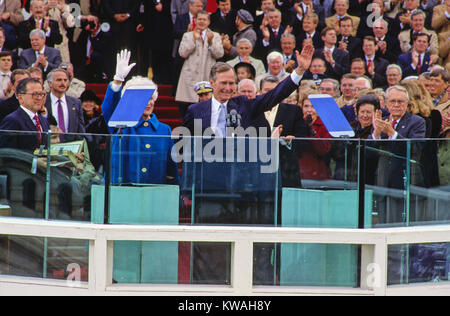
x=375, y=66
x=388, y=45
x=352, y=45
x=337, y=60
x=123, y=17
x=38, y=20
x=399, y=125
x=63, y=110
x=417, y=61
x=40, y=55
x=223, y=20
x=212, y=113
x=30, y=94
x=299, y=10
x=269, y=36
x=289, y=120
x=310, y=32
x=156, y=36
x=12, y=104
x=95, y=65
x=248, y=5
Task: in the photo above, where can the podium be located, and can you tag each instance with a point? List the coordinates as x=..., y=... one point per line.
x=136, y=261
x=321, y=264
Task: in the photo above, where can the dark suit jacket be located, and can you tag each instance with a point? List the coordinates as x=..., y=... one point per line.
x=410, y=127
x=28, y=58
x=249, y=110
x=404, y=61
x=8, y=106
x=20, y=121
x=76, y=118
x=317, y=40
x=250, y=6
x=379, y=78
x=224, y=26
x=10, y=34
x=111, y=7
x=102, y=58
x=342, y=63
x=262, y=51
x=354, y=46
x=291, y=117
x=392, y=49
x=25, y=27
x=292, y=20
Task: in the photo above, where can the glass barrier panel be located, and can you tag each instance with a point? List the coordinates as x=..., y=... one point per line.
x=24, y=176
x=52, y=258
x=418, y=263
x=72, y=175
x=292, y=264
x=137, y=262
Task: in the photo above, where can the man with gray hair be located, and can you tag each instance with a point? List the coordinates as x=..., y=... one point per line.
x=394, y=74
x=39, y=55
x=63, y=111
x=247, y=87
x=276, y=68
x=400, y=124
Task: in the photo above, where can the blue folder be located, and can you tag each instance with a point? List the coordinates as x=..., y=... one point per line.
x=331, y=115
x=131, y=106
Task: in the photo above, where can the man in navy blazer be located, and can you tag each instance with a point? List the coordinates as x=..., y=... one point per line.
x=39, y=55
x=337, y=60
x=417, y=61
x=26, y=118
x=223, y=81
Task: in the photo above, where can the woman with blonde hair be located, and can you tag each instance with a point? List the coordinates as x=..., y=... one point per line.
x=419, y=104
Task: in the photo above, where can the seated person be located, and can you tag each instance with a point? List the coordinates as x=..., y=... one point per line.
x=245, y=71
x=316, y=71
x=146, y=159
x=276, y=68
x=39, y=55
x=244, y=49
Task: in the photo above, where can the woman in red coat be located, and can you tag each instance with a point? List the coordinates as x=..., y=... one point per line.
x=313, y=164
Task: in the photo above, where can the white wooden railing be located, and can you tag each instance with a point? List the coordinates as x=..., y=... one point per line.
x=374, y=244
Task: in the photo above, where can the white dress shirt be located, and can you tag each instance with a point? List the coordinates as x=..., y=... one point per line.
x=65, y=110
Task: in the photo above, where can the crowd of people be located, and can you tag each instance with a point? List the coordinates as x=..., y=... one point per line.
x=393, y=55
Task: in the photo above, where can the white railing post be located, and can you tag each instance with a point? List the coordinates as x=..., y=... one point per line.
x=242, y=267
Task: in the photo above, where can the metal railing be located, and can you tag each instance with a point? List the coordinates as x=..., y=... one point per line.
x=374, y=251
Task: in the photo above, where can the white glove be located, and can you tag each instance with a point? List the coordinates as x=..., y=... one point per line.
x=122, y=68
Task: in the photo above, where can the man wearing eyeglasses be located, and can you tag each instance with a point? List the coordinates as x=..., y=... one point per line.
x=26, y=118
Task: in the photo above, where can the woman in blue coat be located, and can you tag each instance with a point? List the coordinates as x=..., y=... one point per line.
x=141, y=154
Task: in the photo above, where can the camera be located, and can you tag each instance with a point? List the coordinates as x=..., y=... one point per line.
x=85, y=23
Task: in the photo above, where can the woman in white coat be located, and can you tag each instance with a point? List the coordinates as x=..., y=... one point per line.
x=200, y=49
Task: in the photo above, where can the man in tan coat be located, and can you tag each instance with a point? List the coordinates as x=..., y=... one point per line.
x=11, y=11
x=200, y=49
x=441, y=24
x=418, y=26
x=341, y=7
